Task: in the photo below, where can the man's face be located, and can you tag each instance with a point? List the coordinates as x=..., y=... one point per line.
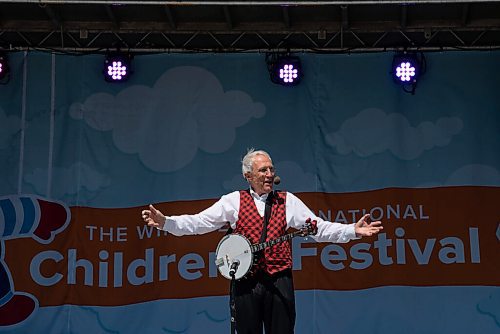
x=262, y=175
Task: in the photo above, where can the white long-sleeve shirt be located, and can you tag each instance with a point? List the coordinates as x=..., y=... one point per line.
x=226, y=209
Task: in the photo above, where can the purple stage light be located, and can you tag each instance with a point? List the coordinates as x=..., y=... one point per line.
x=287, y=71
x=117, y=68
x=406, y=69
x=4, y=66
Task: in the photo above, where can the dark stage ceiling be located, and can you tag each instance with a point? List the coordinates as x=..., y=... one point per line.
x=249, y=26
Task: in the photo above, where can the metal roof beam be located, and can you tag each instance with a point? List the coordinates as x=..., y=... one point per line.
x=286, y=16
x=344, y=16
x=112, y=16
x=247, y=3
x=170, y=16
x=465, y=13
x=54, y=17
x=228, y=18
x=403, y=17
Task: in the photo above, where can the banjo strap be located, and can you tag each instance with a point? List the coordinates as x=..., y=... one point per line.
x=267, y=215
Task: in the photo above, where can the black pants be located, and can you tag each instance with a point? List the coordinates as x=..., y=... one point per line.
x=267, y=300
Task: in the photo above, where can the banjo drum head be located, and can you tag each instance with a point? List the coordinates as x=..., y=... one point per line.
x=231, y=248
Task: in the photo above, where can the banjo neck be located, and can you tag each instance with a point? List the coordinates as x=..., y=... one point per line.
x=258, y=247
x=235, y=254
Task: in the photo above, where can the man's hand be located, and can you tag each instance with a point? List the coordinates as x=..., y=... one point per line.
x=365, y=228
x=153, y=217
x=312, y=226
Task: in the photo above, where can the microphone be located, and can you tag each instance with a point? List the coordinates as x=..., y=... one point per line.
x=277, y=180
x=234, y=267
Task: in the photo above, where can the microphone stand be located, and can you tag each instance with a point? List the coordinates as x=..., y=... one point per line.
x=232, y=304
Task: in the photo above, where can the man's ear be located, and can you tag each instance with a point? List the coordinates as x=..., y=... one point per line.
x=248, y=176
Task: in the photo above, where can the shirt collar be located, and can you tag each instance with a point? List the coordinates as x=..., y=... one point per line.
x=262, y=198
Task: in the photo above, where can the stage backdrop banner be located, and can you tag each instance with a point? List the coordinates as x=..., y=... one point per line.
x=82, y=157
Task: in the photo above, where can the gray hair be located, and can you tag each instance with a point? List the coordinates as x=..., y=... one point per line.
x=247, y=161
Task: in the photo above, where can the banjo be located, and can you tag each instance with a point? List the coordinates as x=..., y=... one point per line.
x=235, y=254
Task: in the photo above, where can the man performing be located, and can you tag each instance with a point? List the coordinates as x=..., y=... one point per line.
x=265, y=297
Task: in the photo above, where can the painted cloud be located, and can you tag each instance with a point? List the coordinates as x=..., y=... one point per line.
x=67, y=181
x=187, y=109
x=373, y=131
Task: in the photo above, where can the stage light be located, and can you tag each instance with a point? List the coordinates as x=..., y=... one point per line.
x=284, y=69
x=117, y=67
x=4, y=66
x=407, y=69
x=288, y=70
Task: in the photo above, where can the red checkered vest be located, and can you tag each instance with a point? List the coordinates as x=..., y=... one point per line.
x=278, y=257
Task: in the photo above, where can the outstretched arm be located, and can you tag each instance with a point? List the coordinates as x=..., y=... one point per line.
x=298, y=213
x=212, y=218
